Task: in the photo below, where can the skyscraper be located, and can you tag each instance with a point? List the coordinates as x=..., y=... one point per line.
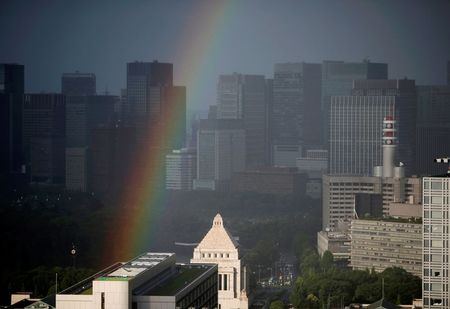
x=337, y=80
x=296, y=96
x=220, y=153
x=448, y=73
x=83, y=114
x=78, y=84
x=151, y=96
x=436, y=207
x=44, y=137
x=11, y=100
x=143, y=82
x=244, y=97
x=433, y=128
x=355, y=133
x=405, y=108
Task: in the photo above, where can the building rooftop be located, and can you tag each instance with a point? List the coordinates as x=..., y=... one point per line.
x=119, y=272
x=218, y=237
x=184, y=276
x=133, y=268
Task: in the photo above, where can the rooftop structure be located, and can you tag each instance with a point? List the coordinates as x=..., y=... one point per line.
x=151, y=280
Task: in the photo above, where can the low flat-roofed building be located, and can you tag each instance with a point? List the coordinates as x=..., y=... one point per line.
x=152, y=280
x=271, y=180
x=379, y=244
x=337, y=243
x=405, y=210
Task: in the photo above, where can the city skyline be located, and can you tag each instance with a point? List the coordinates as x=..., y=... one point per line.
x=200, y=37
x=312, y=126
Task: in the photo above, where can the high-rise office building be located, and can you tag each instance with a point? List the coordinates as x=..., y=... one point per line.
x=244, y=97
x=220, y=153
x=11, y=101
x=83, y=114
x=355, y=133
x=151, y=99
x=181, y=169
x=143, y=80
x=436, y=209
x=348, y=197
x=448, y=73
x=337, y=80
x=295, y=106
x=76, y=168
x=44, y=137
x=433, y=128
x=405, y=109
x=78, y=84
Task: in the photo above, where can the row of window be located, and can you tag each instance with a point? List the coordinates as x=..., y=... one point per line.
x=215, y=255
x=435, y=258
x=435, y=301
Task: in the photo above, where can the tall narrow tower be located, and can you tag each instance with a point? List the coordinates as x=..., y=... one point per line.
x=389, y=145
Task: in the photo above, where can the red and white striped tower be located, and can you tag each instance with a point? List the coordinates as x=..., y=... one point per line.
x=389, y=145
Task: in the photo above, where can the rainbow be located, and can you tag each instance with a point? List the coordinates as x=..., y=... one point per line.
x=144, y=197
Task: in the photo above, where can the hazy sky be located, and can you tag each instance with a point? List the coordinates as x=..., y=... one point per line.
x=207, y=38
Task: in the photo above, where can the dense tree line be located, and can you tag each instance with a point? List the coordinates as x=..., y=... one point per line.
x=38, y=229
x=321, y=284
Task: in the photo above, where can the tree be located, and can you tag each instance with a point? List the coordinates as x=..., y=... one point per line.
x=278, y=304
x=326, y=261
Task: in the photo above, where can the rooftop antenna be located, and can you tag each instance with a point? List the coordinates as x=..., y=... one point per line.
x=445, y=160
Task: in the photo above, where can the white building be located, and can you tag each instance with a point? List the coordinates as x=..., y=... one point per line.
x=152, y=280
x=379, y=244
x=220, y=153
x=218, y=246
x=436, y=210
x=181, y=168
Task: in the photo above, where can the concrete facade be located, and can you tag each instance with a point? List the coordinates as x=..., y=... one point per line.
x=436, y=210
x=220, y=153
x=219, y=247
x=148, y=281
x=339, y=195
x=181, y=169
x=379, y=244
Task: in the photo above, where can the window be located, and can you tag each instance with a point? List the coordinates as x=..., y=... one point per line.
x=220, y=282
x=436, y=286
x=103, y=300
x=436, y=185
x=436, y=228
x=225, y=282
x=436, y=214
x=436, y=200
x=437, y=243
